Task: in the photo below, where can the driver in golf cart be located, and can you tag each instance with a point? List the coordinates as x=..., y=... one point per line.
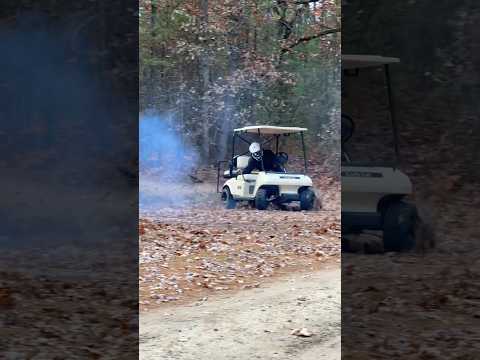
x=262, y=160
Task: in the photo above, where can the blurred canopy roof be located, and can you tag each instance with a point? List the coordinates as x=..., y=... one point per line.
x=364, y=61
x=270, y=130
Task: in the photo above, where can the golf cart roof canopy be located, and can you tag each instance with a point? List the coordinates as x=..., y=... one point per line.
x=365, y=61
x=270, y=130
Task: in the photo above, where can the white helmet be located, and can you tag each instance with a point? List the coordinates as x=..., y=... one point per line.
x=256, y=151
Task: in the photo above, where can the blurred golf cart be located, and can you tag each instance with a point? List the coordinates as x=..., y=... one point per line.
x=373, y=193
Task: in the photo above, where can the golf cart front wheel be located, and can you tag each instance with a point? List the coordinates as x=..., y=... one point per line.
x=307, y=199
x=399, y=222
x=228, y=200
x=261, y=199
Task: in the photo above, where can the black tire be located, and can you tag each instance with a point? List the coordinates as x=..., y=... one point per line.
x=228, y=200
x=399, y=221
x=307, y=199
x=261, y=199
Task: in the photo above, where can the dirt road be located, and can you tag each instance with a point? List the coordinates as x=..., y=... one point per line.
x=252, y=324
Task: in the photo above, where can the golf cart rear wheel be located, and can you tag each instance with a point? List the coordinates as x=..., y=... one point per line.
x=261, y=199
x=399, y=227
x=307, y=199
x=228, y=200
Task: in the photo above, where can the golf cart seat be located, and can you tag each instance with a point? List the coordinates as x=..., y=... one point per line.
x=240, y=163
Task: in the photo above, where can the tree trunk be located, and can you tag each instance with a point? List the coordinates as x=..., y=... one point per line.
x=152, y=72
x=204, y=65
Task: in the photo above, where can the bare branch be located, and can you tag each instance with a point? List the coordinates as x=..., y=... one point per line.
x=304, y=2
x=304, y=39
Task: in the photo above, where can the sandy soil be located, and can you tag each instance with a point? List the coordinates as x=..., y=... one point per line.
x=234, y=284
x=252, y=324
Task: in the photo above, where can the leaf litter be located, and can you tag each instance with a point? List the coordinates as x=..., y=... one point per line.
x=418, y=305
x=190, y=252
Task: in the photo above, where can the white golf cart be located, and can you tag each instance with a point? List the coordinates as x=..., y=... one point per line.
x=260, y=188
x=373, y=193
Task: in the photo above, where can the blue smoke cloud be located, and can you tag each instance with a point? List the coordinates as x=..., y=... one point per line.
x=62, y=142
x=165, y=162
x=162, y=148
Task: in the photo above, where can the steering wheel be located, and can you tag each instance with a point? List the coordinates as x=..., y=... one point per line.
x=348, y=128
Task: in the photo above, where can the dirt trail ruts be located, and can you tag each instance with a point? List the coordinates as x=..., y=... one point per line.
x=253, y=324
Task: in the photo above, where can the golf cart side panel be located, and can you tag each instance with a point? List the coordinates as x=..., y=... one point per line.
x=371, y=179
x=364, y=187
x=242, y=189
x=287, y=183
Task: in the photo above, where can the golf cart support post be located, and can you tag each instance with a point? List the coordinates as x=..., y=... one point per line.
x=357, y=62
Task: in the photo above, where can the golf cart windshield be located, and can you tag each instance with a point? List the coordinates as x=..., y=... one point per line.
x=369, y=130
